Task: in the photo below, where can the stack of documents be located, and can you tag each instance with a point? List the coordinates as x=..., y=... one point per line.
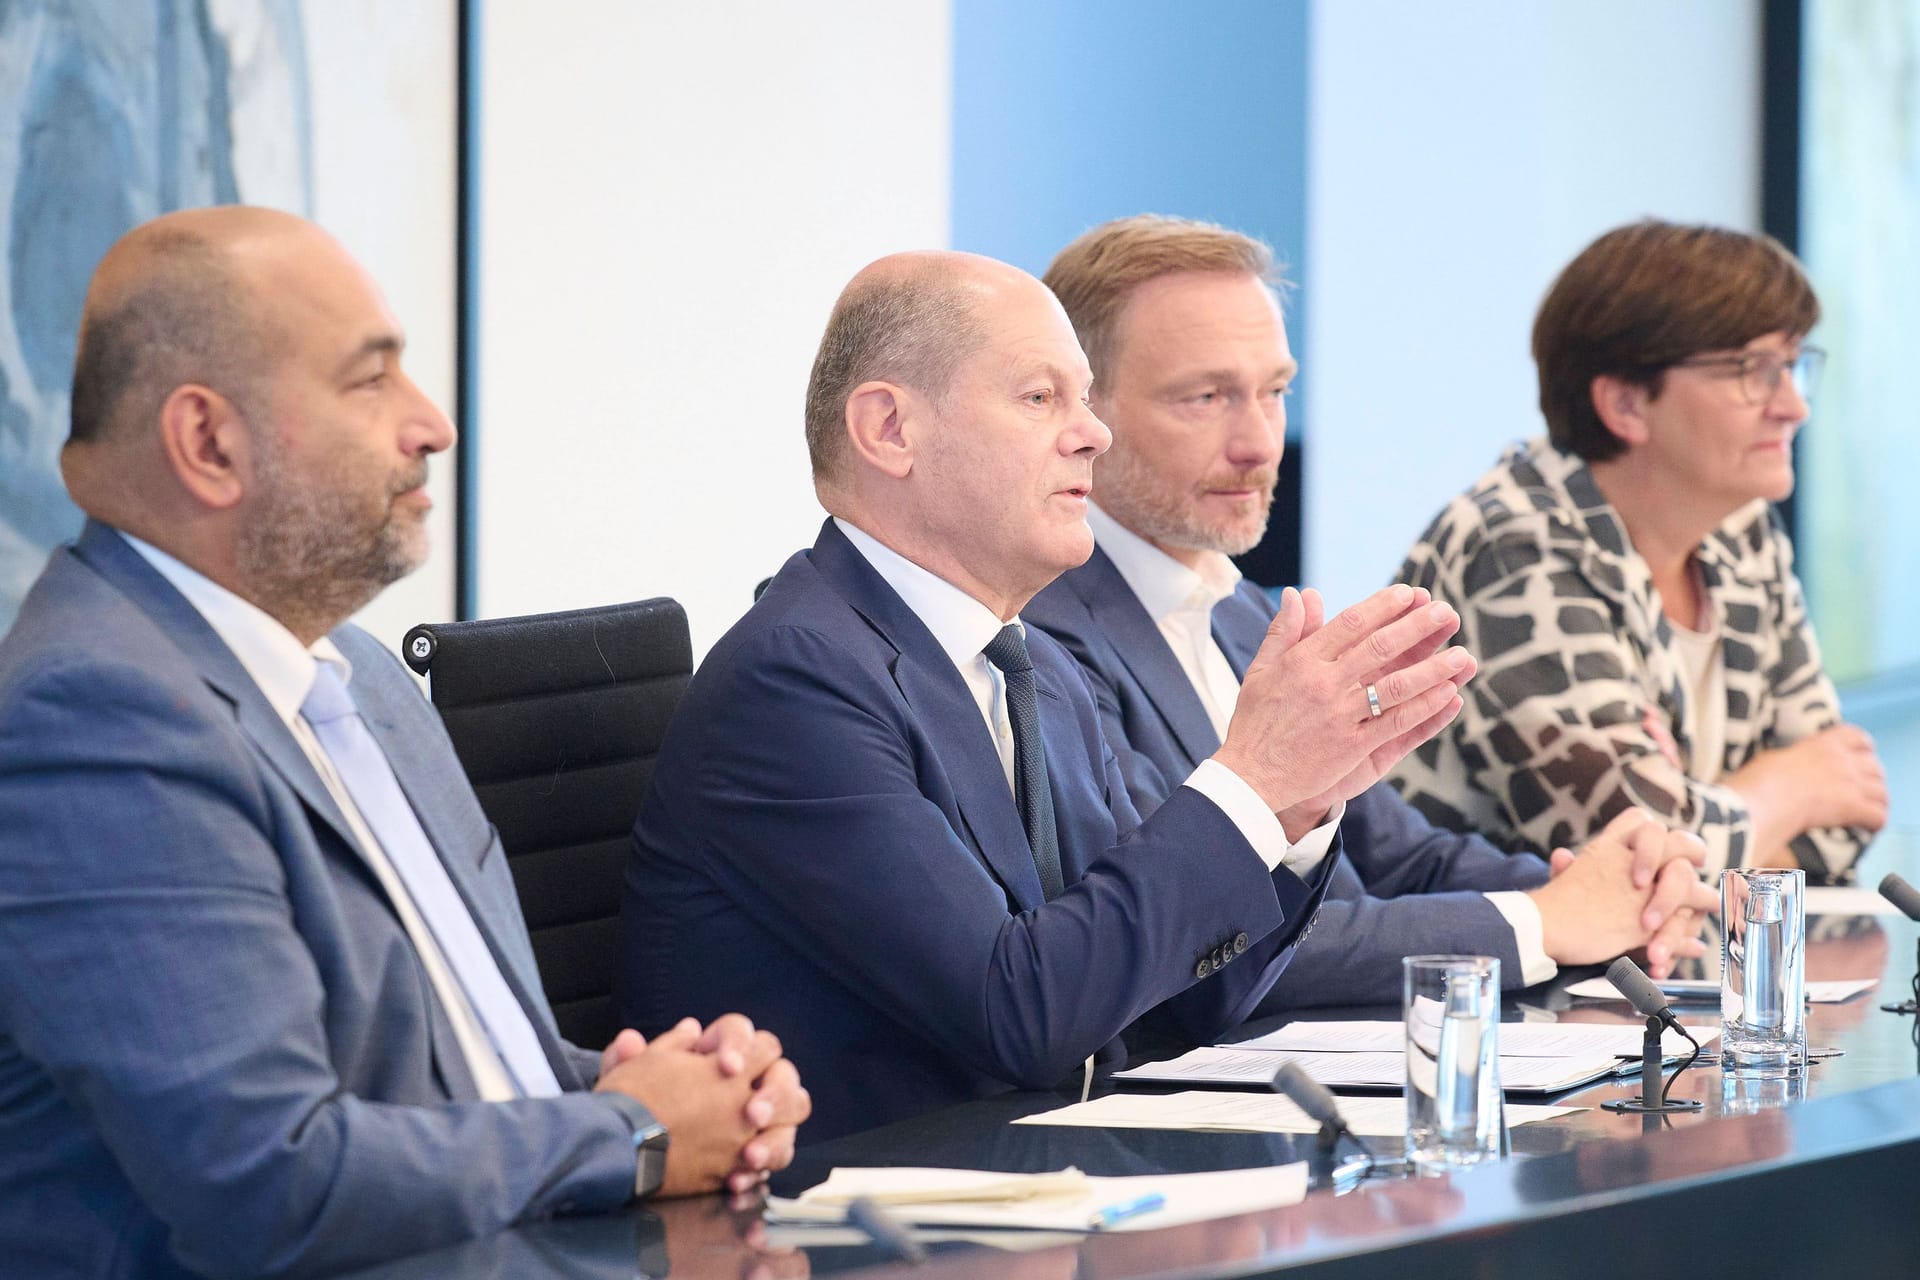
x=1065, y=1201
x=1535, y=1057
x=1218, y=1112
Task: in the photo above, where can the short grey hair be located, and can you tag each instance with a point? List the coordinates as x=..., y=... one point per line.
x=911, y=326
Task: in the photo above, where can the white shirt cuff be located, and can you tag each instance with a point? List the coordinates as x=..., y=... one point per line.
x=1247, y=811
x=1529, y=935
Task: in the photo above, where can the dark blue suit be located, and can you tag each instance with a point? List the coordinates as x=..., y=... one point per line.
x=830, y=846
x=1406, y=887
x=219, y=1052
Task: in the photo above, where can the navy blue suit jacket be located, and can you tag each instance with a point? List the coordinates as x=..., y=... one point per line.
x=830, y=846
x=219, y=1052
x=1406, y=887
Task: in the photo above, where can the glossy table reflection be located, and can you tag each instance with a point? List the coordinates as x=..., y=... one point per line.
x=1814, y=1176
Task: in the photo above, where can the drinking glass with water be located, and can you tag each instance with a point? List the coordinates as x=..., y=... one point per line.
x=1763, y=971
x=1452, y=1008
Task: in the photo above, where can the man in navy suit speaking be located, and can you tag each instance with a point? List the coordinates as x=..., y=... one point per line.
x=885, y=818
x=267, y=1004
x=1191, y=373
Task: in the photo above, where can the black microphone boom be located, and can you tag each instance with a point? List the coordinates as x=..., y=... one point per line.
x=1640, y=991
x=1907, y=898
x=1902, y=895
x=1310, y=1096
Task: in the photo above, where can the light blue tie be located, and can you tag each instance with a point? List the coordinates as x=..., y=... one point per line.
x=369, y=779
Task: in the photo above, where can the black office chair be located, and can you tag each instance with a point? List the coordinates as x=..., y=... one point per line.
x=557, y=719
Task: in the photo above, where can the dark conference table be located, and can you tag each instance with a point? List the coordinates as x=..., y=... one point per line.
x=1817, y=1177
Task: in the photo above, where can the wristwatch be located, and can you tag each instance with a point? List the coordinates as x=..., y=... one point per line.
x=649, y=1144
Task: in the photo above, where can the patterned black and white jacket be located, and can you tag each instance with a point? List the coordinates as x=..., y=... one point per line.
x=1574, y=650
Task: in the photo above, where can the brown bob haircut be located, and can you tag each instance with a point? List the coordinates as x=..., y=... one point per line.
x=1646, y=296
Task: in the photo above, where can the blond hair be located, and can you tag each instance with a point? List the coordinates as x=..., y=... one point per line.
x=1094, y=276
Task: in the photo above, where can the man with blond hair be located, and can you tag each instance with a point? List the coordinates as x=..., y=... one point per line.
x=1182, y=326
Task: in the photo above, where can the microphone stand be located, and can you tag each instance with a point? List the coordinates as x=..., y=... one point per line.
x=1913, y=1005
x=1326, y=1170
x=1653, y=1096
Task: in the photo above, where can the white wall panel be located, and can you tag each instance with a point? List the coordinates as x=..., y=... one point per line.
x=384, y=122
x=672, y=196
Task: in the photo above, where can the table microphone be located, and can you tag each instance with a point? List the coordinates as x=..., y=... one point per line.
x=1651, y=1002
x=1314, y=1098
x=1902, y=895
x=1641, y=992
x=1907, y=898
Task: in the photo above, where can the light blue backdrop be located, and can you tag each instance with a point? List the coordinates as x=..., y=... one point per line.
x=1070, y=113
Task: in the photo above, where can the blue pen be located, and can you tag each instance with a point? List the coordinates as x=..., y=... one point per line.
x=1127, y=1209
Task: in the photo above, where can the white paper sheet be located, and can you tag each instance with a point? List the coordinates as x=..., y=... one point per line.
x=1517, y=1039
x=1231, y=1065
x=1844, y=900
x=1190, y=1197
x=1817, y=992
x=1215, y=1111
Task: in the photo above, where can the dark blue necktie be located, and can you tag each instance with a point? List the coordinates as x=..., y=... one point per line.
x=1031, y=791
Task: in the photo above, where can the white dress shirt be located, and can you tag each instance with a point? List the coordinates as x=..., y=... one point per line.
x=1180, y=601
x=962, y=627
x=284, y=672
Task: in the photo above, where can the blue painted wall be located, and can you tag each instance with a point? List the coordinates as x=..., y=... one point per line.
x=1071, y=112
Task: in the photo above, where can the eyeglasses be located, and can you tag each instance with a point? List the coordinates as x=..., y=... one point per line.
x=1760, y=371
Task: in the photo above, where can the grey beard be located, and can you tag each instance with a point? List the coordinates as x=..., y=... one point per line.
x=306, y=563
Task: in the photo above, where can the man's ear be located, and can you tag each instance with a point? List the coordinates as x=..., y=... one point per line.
x=1621, y=407
x=881, y=421
x=205, y=442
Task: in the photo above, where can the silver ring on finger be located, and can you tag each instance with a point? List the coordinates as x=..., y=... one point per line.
x=1373, y=702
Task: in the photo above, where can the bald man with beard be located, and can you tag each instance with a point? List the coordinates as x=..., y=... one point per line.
x=268, y=1005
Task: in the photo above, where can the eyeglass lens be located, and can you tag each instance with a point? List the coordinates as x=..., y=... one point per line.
x=1760, y=374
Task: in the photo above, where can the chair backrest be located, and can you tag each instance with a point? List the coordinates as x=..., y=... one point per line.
x=557, y=719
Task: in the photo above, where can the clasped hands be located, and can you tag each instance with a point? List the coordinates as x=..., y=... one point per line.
x=1305, y=735
x=729, y=1100
x=1634, y=887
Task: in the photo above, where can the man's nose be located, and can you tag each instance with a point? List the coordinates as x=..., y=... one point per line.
x=1087, y=432
x=1258, y=433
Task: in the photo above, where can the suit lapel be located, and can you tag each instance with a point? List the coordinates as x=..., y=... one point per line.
x=1739, y=605
x=1618, y=574
x=426, y=793
x=110, y=555
x=1240, y=623
x=946, y=712
x=1145, y=654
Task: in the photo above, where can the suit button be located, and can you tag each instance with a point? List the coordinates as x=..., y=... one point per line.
x=1200, y=970
x=1239, y=943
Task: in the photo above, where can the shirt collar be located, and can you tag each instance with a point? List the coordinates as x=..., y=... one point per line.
x=270, y=654
x=1165, y=586
x=961, y=625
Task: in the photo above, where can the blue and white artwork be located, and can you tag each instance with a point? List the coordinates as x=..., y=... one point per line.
x=111, y=112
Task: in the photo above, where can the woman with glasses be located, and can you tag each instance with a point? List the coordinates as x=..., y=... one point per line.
x=1628, y=590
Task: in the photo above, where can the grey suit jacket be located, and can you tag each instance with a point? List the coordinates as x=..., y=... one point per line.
x=1406, y=887
x=219, y=1052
